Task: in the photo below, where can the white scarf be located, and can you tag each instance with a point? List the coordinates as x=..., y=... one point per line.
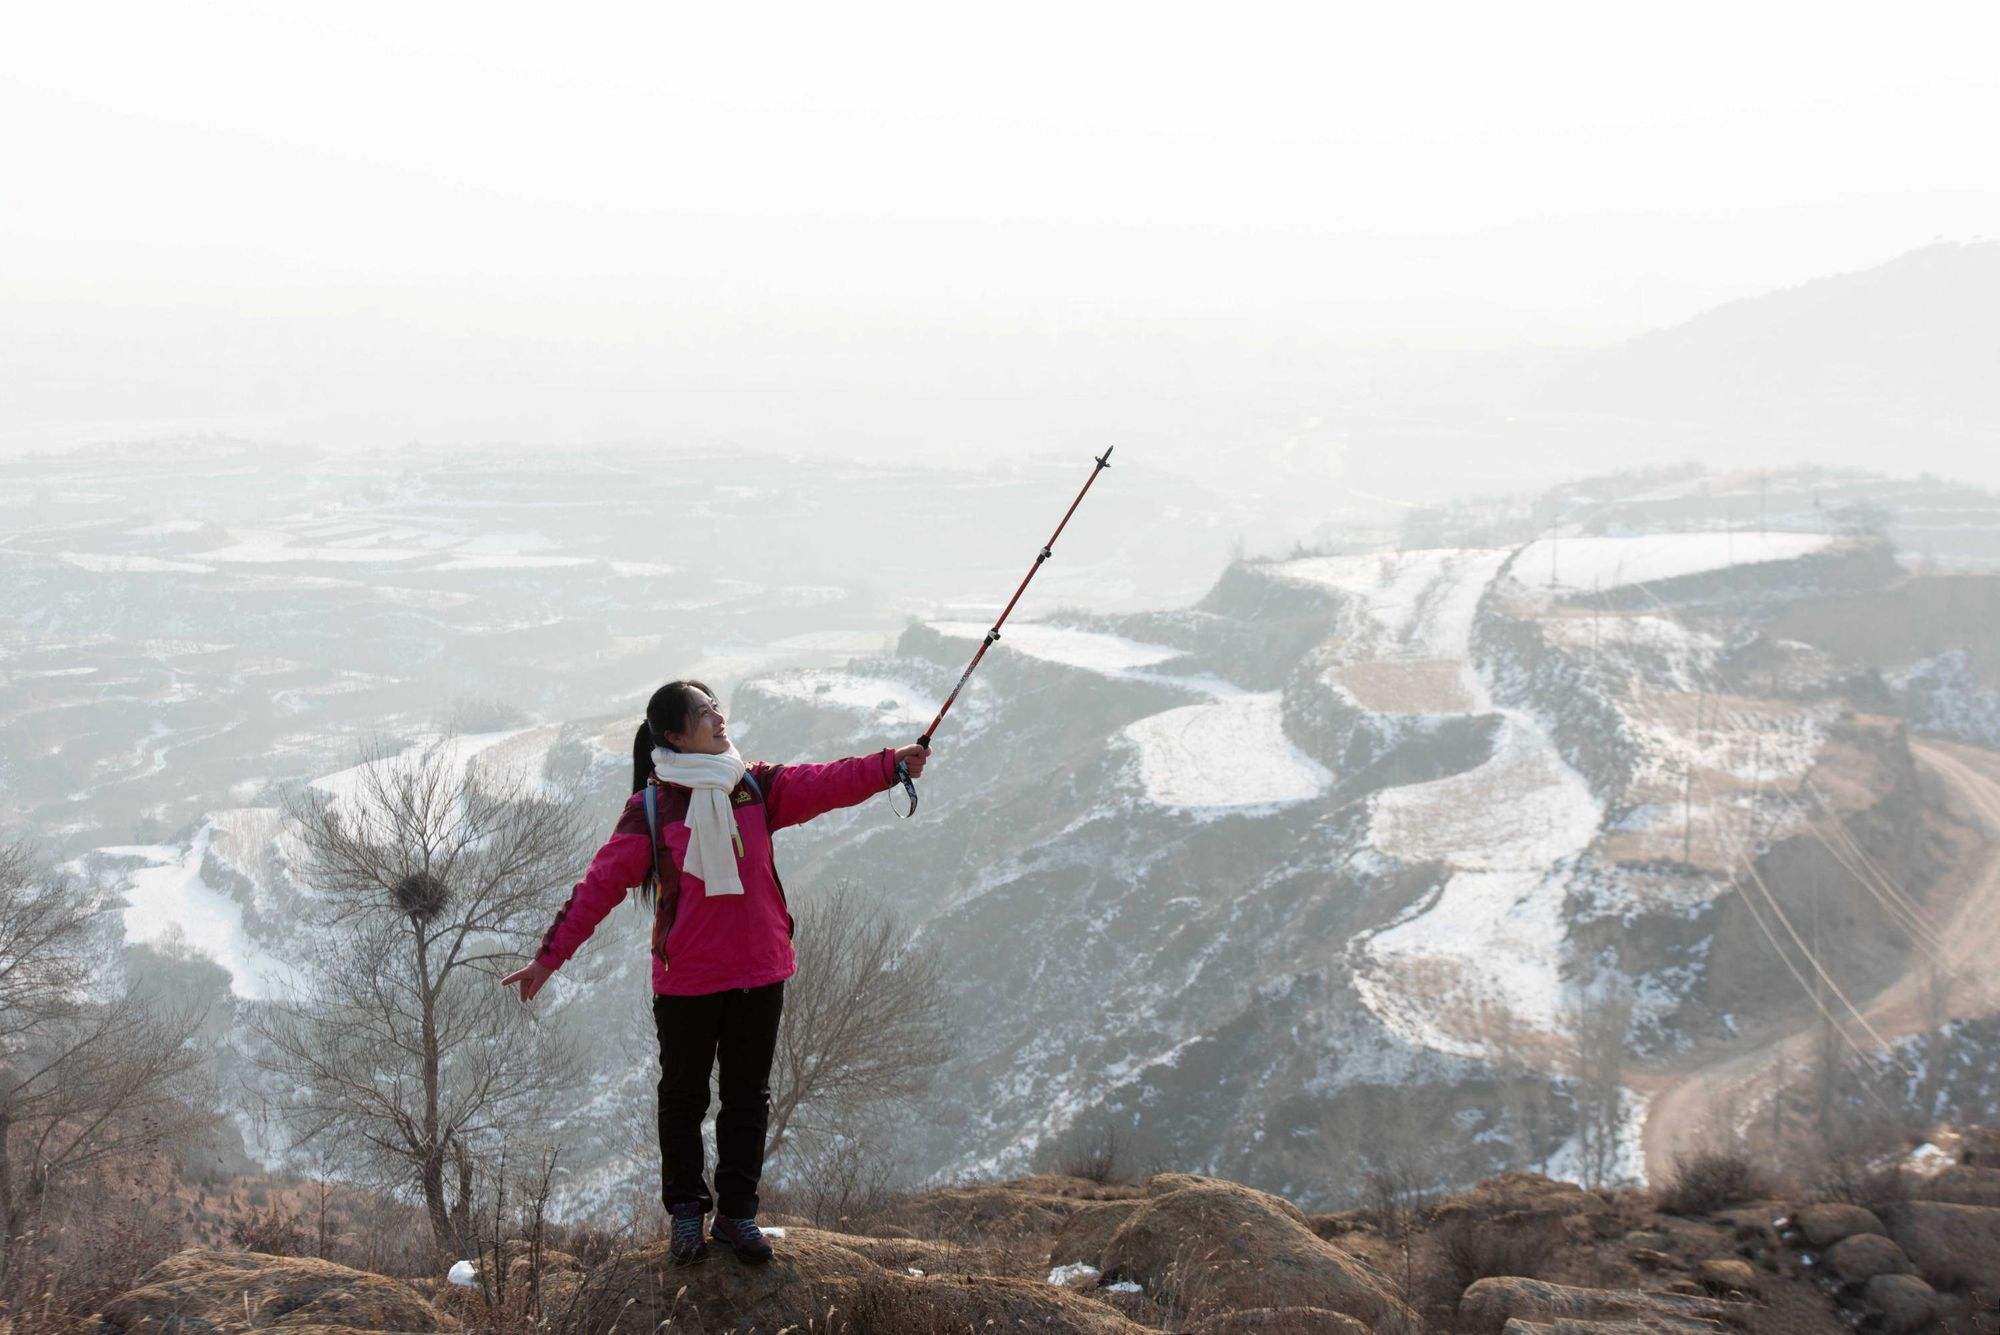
x=713, y=841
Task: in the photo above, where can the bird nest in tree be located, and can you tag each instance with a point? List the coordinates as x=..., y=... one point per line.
x=421, y=895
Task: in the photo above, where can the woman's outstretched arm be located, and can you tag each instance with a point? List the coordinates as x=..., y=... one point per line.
x=797, y=793
x=620, y=864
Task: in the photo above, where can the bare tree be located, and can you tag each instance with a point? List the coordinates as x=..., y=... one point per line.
x=91, y=1071
x=402, y=1049
x=864, y=1023
x=1599, y=1026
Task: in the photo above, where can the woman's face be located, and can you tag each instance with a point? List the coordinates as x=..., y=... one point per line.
x=706, y=733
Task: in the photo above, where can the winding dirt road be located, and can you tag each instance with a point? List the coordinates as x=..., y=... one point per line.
x=1966, y=906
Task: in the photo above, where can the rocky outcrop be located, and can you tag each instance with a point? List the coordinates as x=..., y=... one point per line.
x=1905, y=1302
x=1041, y=1203
x=1950, y=1244
x=201, y=1289
x=1209, y=1246
x=815, y=1283
x=1828, y=1222
x=1279, y=1321
x=1859, y=1257
x=1493, y=1305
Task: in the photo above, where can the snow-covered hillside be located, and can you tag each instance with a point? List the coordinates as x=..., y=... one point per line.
x=1225, y=919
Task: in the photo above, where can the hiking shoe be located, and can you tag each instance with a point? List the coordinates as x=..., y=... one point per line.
x=744, y=1236
x=685, y=1245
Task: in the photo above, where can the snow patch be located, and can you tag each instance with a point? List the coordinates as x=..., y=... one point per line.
x=171, y=898
x=889, y=701
x=1228, y=754
x=351, y=786
x=1093, y=651
x=1415, y=604
x=273, y=546
x=1584, y=564
x=107, y=564
x=1523, y=808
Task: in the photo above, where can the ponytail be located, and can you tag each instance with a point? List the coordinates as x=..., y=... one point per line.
x=642, y=755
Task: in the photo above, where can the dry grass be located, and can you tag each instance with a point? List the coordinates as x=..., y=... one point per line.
x=1705, y=1182
x=88, y=1248
x=1464, y=1249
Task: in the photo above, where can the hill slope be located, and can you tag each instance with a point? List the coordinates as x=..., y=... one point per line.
x=1858, y=358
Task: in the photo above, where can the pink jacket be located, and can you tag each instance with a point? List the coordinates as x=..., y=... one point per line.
x=729, y=941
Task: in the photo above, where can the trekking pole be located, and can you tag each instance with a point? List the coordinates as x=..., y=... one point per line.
x=903, y=770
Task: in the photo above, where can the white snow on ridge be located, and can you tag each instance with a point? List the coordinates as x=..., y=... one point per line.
x=512, y=561
x=105, y=563
x=1608, y=563
x=1094, y=651
x=1228, y=754
x=1495, y=934
x=273, y=546
x=352, y=785
x=1523, y=808
x=1491, y=941
x=889, y=701
x=170, y=897
x=1419, y=604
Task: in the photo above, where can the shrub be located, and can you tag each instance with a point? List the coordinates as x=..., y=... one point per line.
x=1709, y=1181
x=1465, y=1248
x=1089, y=1151
x=275, y=1232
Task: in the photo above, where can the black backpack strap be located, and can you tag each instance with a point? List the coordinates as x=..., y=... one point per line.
x=652, y=800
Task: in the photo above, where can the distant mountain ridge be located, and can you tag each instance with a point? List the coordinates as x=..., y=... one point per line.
x=1911, y=345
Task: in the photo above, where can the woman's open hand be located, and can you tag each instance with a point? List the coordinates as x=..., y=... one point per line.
x=913, y=758
x=530, y=976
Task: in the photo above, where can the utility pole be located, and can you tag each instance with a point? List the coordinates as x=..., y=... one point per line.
x=1756, y=793
x=1687, y=814
x=1596, y=597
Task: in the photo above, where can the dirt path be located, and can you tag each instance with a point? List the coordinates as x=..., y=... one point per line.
x=1684, y=1104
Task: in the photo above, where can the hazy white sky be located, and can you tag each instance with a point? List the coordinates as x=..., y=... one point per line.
x=430, y=178
x=1398, y=117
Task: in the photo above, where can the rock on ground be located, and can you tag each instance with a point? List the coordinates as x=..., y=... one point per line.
x=813, y=1283
x=1488, y=1305
x=1084, y=1236
x=202, y=1289
x=1905, y=1302
x=1949, y=1244
x=1205, y=1245
x=1279, y=1321
x=1829, y=1221
x=1033, y=1205
x=1725, y=1274
x=639, y=1290
x=1859, y=1257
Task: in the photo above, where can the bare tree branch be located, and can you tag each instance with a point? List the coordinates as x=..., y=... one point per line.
x=427, y=876
x=864, y=1016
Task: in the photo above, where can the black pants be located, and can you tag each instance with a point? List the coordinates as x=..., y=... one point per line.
x=738, y=1031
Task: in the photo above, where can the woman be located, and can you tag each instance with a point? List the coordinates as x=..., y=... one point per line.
x=722, y=945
